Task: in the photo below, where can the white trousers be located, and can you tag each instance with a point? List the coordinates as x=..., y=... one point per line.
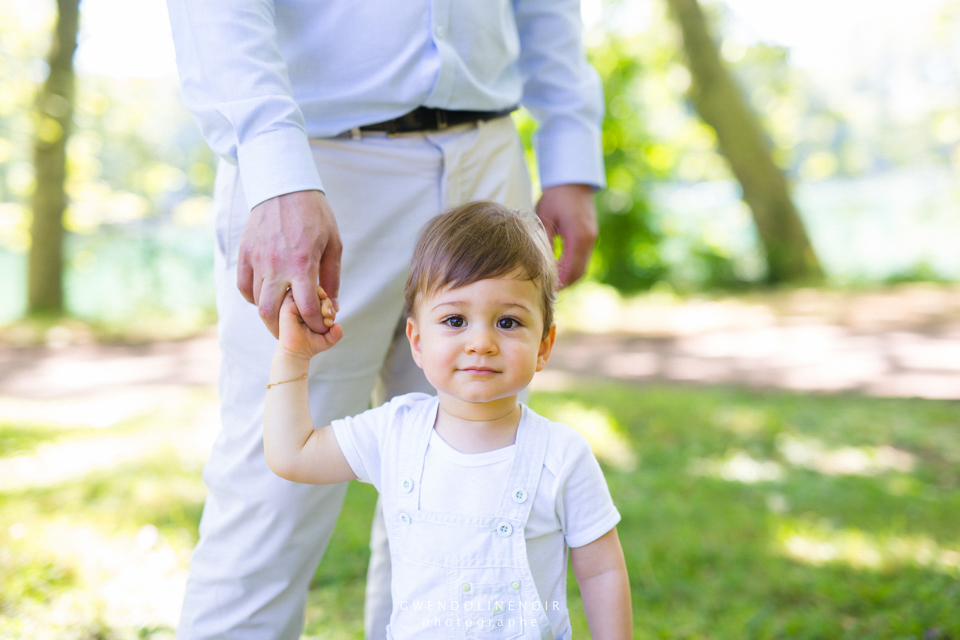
x=262, y=537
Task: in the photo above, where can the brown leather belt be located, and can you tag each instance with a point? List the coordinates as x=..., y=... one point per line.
x=430, y=119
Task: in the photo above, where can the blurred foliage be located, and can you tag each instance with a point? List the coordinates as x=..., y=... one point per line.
x=651, y=136
x=135, y=152
x=628, y=255
x=669, y=219
x=898, y=107
x=655, y=146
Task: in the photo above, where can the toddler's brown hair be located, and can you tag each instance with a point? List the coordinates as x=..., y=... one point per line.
x=478, y=241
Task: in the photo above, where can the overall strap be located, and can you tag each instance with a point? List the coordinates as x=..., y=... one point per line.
x=533, y=435
x=412, y=454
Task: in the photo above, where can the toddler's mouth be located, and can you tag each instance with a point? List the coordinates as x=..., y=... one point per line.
x=479, y=370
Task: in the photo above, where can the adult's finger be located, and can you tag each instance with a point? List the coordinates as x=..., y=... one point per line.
x=256, y=286
x=308, y=303
x=270, y=299
x=330, y=270
x=245, y=279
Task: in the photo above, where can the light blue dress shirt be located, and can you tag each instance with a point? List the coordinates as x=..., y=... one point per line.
x=263, y=76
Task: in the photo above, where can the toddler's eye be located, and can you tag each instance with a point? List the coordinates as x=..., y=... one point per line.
x=454, y=321
x=507, y=323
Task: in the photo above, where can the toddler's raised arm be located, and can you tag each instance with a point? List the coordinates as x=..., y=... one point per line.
x=604, y=587
x=293, y=448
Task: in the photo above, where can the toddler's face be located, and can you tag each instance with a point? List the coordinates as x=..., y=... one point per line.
x=483, y=341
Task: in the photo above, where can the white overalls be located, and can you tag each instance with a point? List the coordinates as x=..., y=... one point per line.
x=458, y=576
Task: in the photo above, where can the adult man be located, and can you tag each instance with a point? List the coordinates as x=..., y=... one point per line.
x=400, y=109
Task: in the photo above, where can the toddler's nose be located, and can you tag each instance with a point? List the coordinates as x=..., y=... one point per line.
x=481, y=341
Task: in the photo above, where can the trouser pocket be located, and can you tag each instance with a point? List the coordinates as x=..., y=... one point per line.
x=230, y=212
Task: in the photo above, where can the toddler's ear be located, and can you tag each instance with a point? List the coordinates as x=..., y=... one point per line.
x=546, y=347
x=413, y=335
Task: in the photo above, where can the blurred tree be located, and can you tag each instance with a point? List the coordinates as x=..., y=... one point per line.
x=719, y=101
x=53, y=117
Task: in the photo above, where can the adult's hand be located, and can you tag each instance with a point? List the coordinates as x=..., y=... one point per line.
x=567, y=210
x=290, y=241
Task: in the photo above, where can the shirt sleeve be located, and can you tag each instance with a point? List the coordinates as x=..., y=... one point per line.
x=234, y=80
x=584, y=505
x=562, y=91
x=359, y=438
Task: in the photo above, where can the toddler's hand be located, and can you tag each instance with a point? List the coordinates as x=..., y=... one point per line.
x=297, y=339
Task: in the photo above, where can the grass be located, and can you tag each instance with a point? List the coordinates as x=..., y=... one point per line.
x=745, y=515
x=20, y=439
x=58, y=543
x=713, y=552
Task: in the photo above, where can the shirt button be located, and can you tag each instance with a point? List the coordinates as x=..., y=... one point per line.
x=515, y=585
x=466, y=587
x=519, y=495
x=404, y=518
x=407, y=485
x=504, y=529
x=440, y=31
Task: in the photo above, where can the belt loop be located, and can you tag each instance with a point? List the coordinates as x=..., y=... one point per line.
x=356, y=134
x=441, y=119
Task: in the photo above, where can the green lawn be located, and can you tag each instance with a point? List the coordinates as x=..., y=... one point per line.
x=814, y=551
x=745, y=515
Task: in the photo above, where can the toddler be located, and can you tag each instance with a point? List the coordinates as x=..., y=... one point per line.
x=482, y=497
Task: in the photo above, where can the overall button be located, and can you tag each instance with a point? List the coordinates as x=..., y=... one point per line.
x=504, y=529
x=466, y=587
x=440, y=31
x=515, y=585
x=407, y=485
x=404, y=518
x=519, y=495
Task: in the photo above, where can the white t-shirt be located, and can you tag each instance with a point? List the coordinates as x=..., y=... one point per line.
x=572, y=506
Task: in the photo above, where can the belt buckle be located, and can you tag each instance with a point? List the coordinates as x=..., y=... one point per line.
x=441, y=119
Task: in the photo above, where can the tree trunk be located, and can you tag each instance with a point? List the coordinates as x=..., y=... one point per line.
x=719, y=101
x=53, y=119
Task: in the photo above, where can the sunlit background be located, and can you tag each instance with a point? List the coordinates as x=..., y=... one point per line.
x=786, y=459
x=861, y=101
